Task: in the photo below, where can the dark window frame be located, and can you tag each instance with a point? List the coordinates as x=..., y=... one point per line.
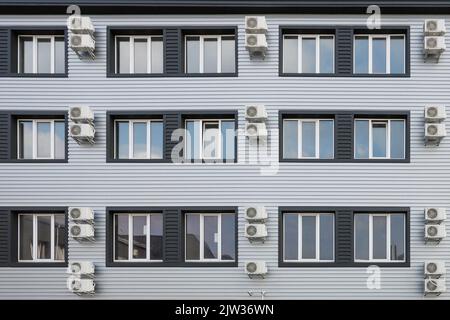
x=14, y=233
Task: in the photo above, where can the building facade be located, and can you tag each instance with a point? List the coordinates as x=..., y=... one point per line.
x=345, y=172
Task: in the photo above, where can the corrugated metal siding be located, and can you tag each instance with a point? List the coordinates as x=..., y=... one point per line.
x=88, y=180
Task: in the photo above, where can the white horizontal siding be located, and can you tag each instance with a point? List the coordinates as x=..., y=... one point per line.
x=87, y=180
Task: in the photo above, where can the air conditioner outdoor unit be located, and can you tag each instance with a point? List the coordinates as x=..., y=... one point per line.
x=81, y=114
x=81, y=214
x=434, y=27
x=82, y=132
x=81, y=268
x=82, y=42
x=434, y=44
x=435, y=131
x=256, y=269
x=256, y=130
x=435, y=232
x=79, y=24
x=256, y=43
x=80, y=286
x=255, y=231
x=436, y=215
x=255, y=113
x=434, y=286
x=435, y=113
x=255, y=24
x=255, y=213
x=81, y=231
x=434, y=269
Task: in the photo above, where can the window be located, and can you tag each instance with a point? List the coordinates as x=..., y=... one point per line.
x=138, y=139
x=41, y=54
x=139, y=54
x=379, y=237
x=379, y=139
x=308, y=237
x=210, y=139
x=41, y=237
x=308, y=138
x=379, y=54
x=41, y=139
x=210, y=54
x=138, y=237
x=210, y=237
x=308, y=53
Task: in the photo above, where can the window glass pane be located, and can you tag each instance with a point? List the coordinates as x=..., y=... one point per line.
x=290, y=54
x=139, y=237
x=140, y=56
x=210, y=237
x=308, y=55
x=121, y=237
x=291, y=236
x=44, y=241
x=43, y=139
x=139, y=140
x=156, y=237
x=308, y=139
x=362, y=139
x=228, y=54
x=228, y=237
x=122, y=139
x=26, y=140
x=123, y=55
x=397, y=54
x=379, y=134
x=326, y=139
x=60, y=55
x=397, y=139
x=397, y=237
x=156, y=137
x=157, y=55
x=308, y=237
x=192, y=237
x=361, y=55
x=26, y=55
x=193, y=54
x=290, y=139
x=44, y=55
x=379, y=237
x=378, y=55
x=326, y=236
x=60, y=140
x=210, y=139
x=26, y=237
x=326, y=54
x=210, y=55
x=60, y=237
x=362, y=236
x=193, y=139
x=228, y=140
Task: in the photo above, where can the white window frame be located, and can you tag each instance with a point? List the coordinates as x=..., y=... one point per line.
x=387, y=37
x=300, y=53
x=317, y=134
x=300, y=244
x=201, y=51
x=388, y=238
x=35, y=52
x=130, y=237
x=131, y=48
x=34, y=134
x=202, y=237
x=388, y=138
x=131, y=137
x=35, y=237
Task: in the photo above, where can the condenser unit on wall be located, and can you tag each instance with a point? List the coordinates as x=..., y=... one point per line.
x=435, y=113
x=255, y=24
x=434, y=27
x=80, y=24
x=434, y=286
x=434, y=233
x=83, y=45
x=82, y=132
x=255, y=214
x=256, y=232
x=434, y=45
x=256, y=43
x=434, y=269
x=255, y=113
x=81, y=286
x=434, y=133
x=256, y=269
x=256, y=130
x=436, y=215
x=81, y=268
x=81, y=114
x=81, y=231
x=81, y=214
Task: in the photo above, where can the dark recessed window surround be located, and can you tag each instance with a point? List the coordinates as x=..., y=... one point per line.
x=344, y=135
x=173, y=241
x=318, y=246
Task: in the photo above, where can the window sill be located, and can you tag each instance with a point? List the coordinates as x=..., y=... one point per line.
x=283, y=264
x=17, y=264
x=346, y=160
x=38, y=75
x=171, y=264
x=110, y=160
x=200, y=75
x=36, y=161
